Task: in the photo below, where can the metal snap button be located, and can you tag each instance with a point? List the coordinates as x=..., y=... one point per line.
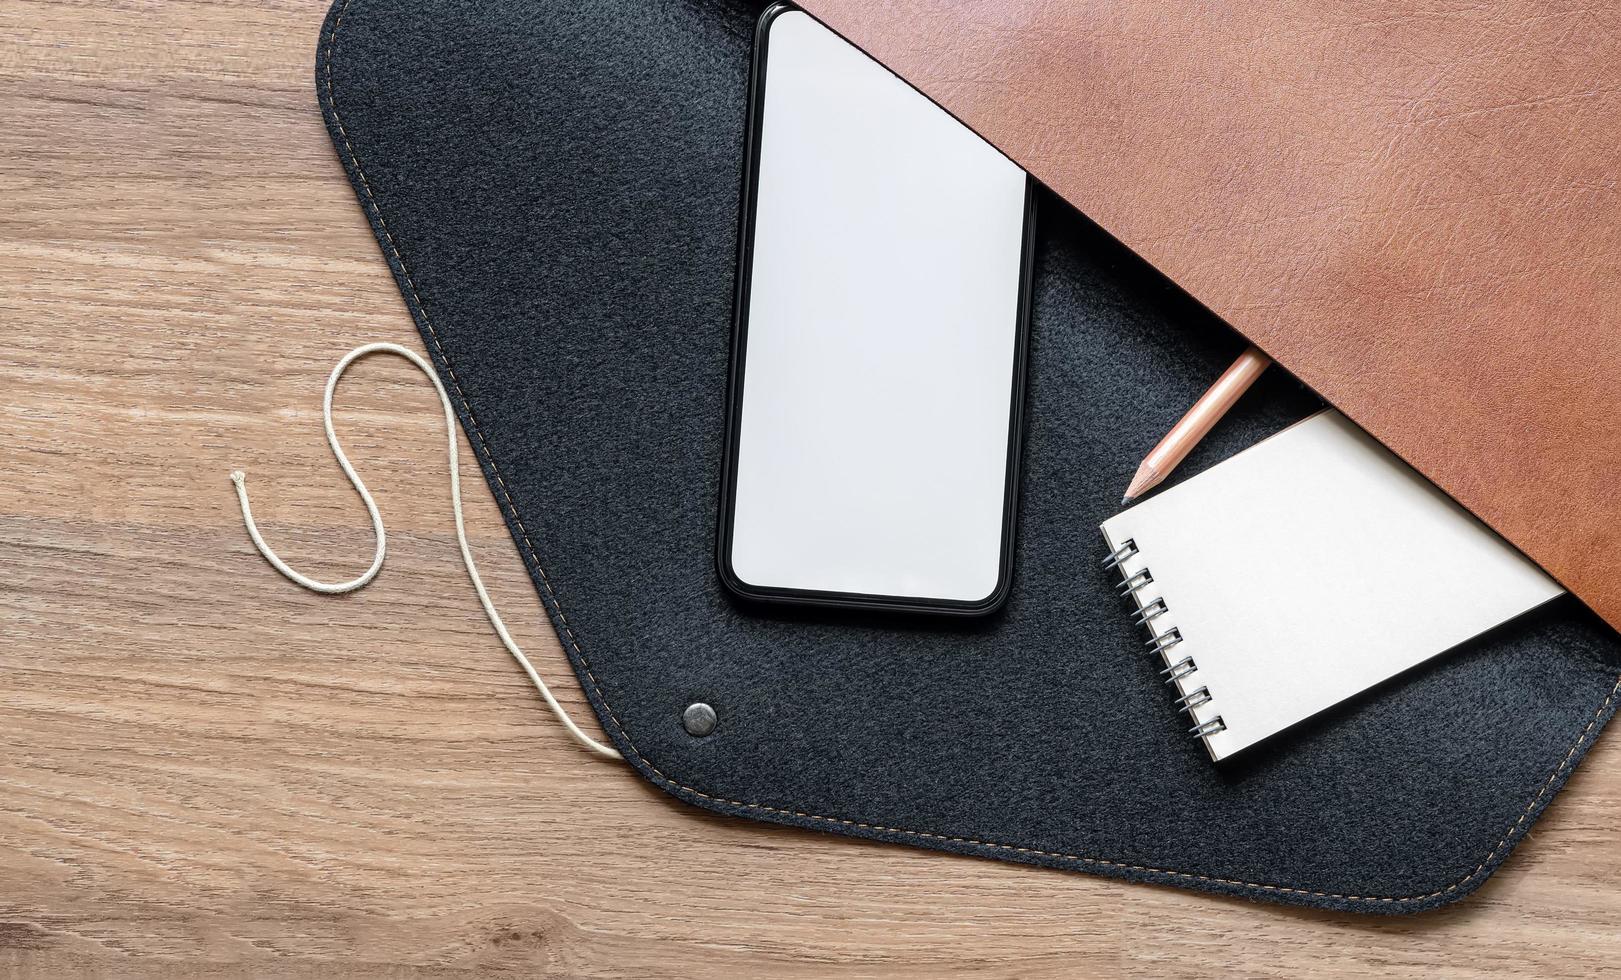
x=699, y=719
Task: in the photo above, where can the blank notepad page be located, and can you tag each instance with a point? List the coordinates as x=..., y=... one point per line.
x=1304, y=570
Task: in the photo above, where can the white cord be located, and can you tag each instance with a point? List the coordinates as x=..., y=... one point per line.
x=240, y=479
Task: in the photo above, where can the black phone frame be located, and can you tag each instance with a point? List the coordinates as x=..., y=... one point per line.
x=851, y=600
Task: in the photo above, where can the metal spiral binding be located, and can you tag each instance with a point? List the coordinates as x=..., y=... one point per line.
x=1179, y=670
x=1120, y=554
x=1162, y=642
x=1147, y=614
x=1193, y=699
x=1159, y=643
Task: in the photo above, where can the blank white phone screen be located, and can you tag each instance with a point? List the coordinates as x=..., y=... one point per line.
x=881, y=331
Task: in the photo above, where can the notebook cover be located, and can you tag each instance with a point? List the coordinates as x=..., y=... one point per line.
x=1308, y=568
x=555, y=185
x=1415, y=209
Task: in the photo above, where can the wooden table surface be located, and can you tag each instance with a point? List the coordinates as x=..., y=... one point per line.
x=207, y=771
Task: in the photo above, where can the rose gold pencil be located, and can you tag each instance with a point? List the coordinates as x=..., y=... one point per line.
x=1204, y=414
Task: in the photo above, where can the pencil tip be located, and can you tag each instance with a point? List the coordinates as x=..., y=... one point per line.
x=1146, y=478
x=1125, y=500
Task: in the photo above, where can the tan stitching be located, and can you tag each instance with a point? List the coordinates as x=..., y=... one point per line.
x=572, y=640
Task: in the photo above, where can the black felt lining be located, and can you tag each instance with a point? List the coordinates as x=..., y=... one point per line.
x=787, y=814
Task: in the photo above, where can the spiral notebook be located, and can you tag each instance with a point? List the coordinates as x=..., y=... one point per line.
x=1303, y=571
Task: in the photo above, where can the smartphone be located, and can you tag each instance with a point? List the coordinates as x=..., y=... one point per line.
x=878, y=350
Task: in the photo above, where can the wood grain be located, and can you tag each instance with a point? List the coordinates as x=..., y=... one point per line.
x=207, y=772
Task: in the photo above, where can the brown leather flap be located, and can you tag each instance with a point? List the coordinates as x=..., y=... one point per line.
x=1414, y=208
